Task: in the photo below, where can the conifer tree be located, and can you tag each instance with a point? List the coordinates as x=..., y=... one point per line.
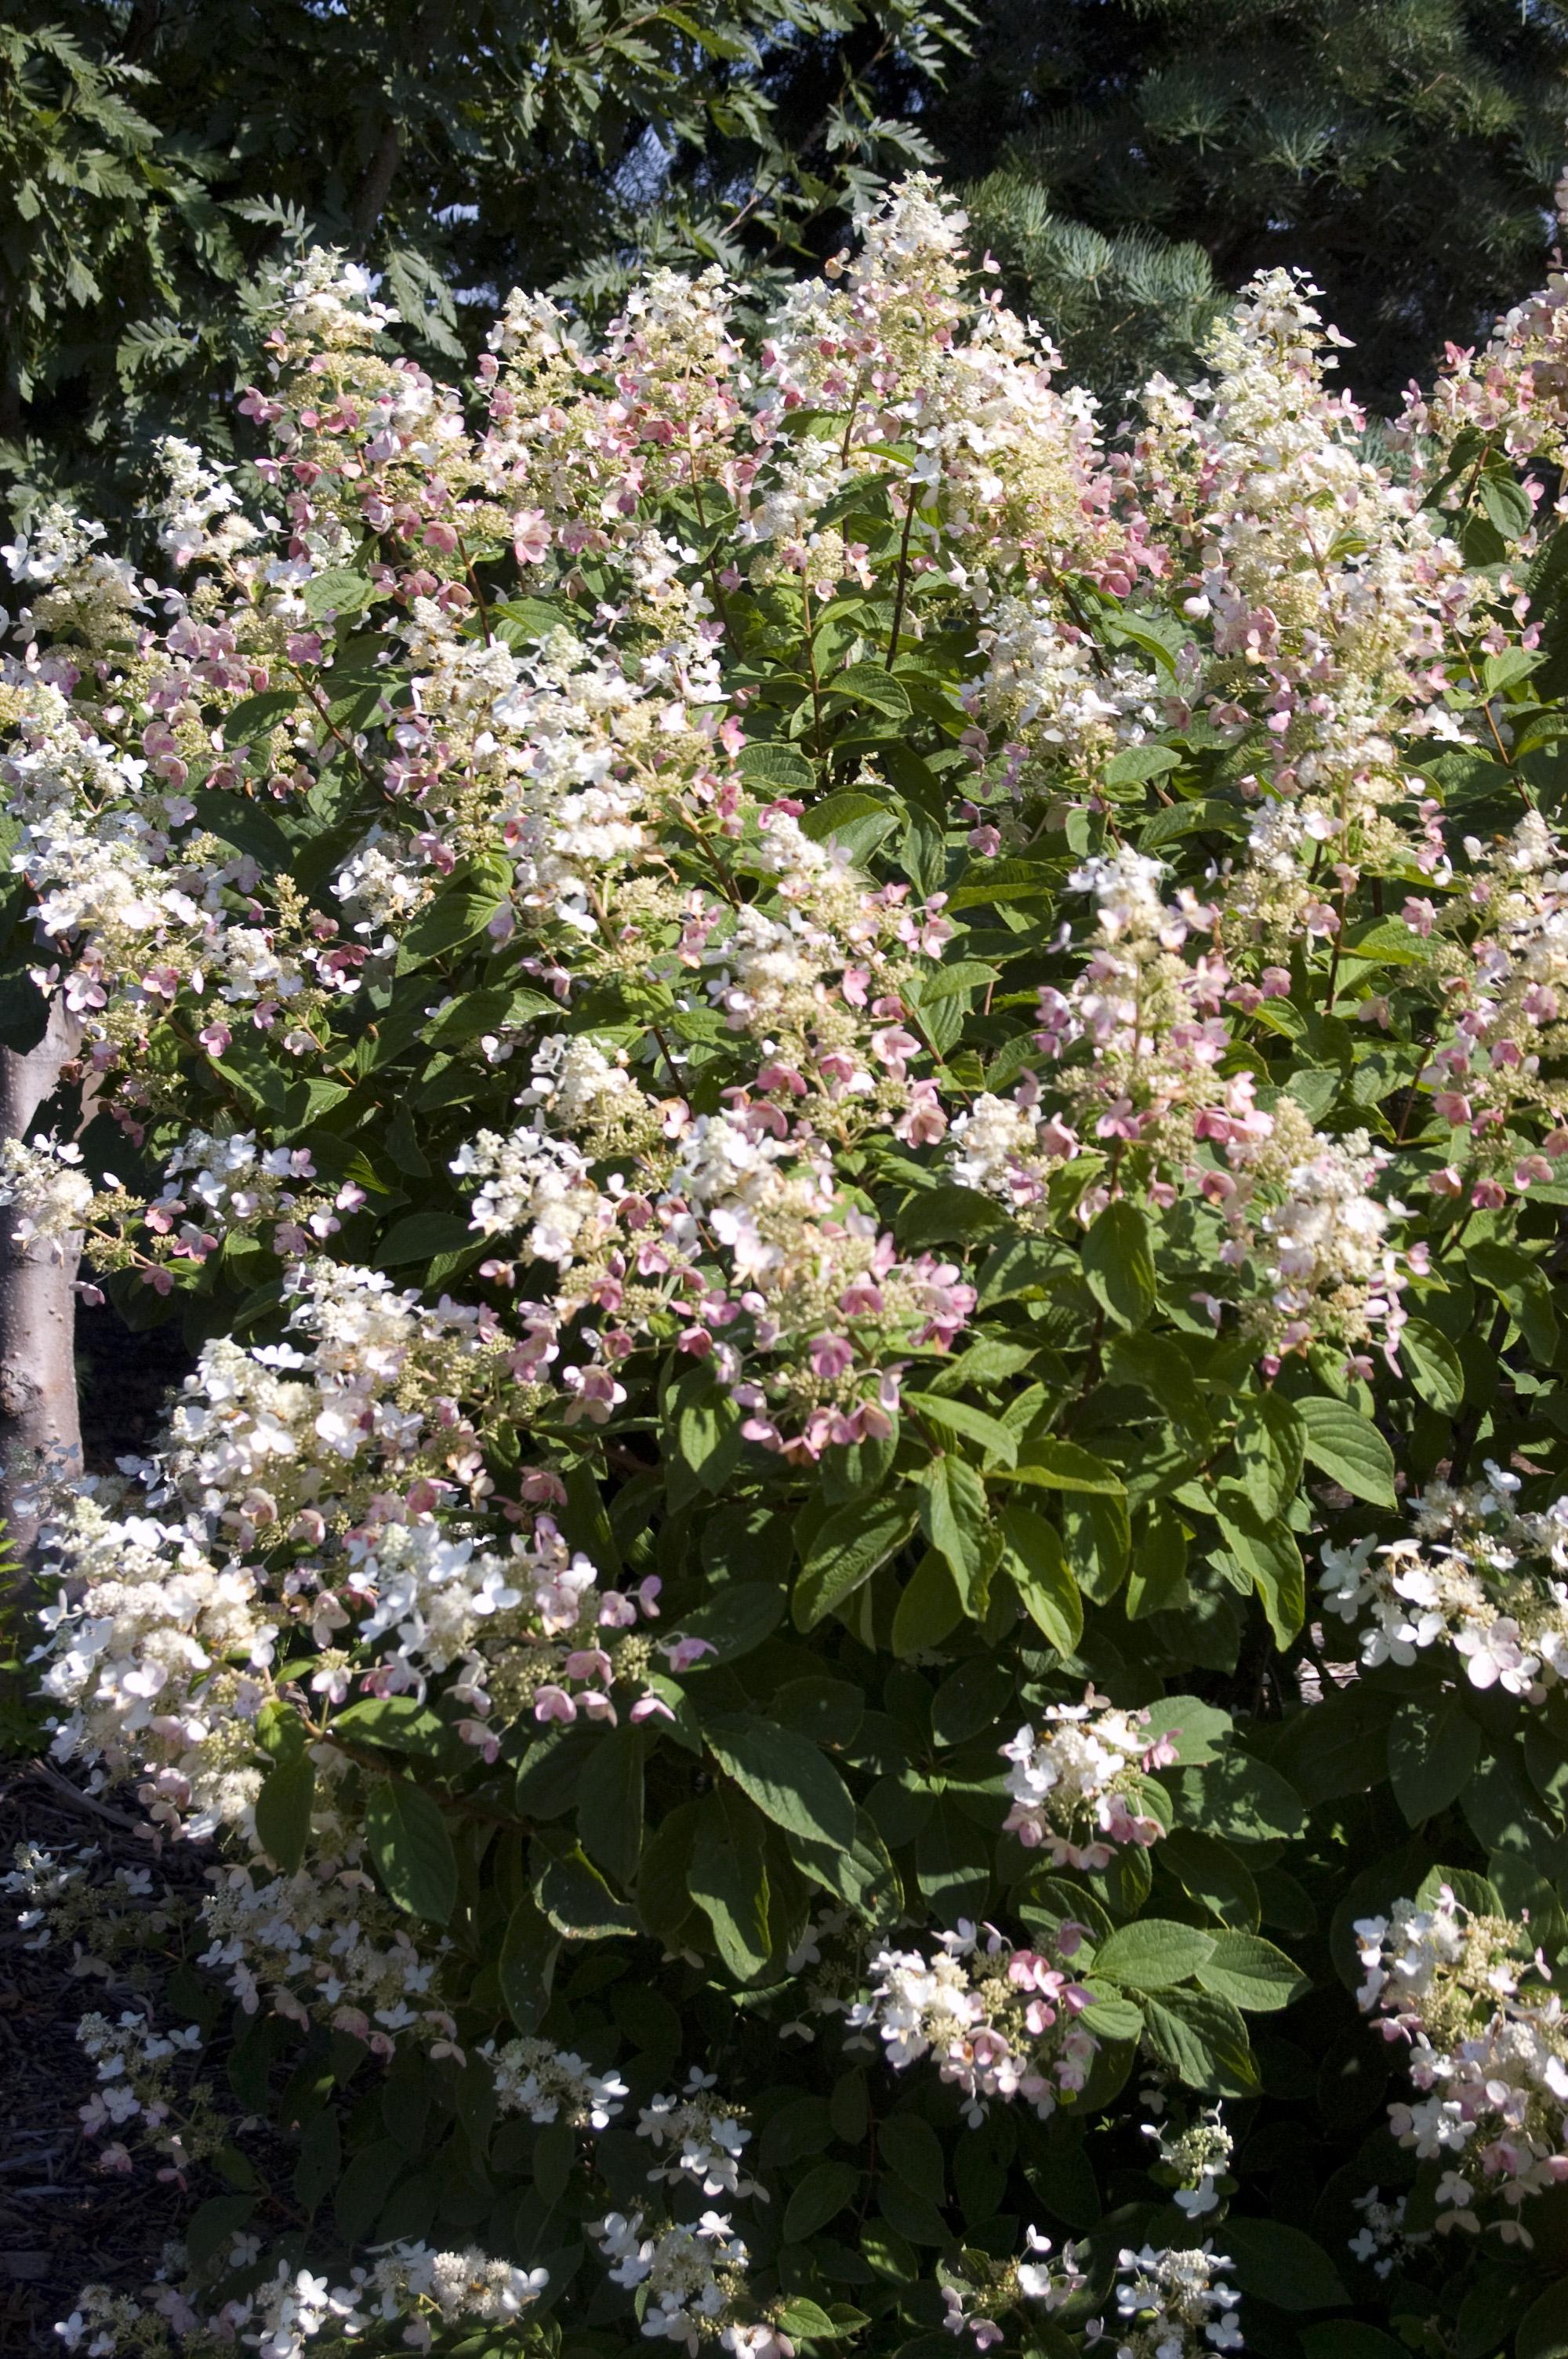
x=1403, y=151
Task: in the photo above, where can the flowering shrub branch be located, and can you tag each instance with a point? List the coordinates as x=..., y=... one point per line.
x=829, y=1064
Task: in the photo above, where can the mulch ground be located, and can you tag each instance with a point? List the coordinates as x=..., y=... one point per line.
x=62, y=2224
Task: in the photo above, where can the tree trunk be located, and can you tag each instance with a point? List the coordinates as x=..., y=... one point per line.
x=39, y=1425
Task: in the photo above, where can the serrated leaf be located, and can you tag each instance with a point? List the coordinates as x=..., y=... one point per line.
x=868, y=683
x=282, y=1811
x=1282, y=2265
x=1036, y=1564
x=929, y=1608
x=1348, y=1449
x=728, y=1882
x=1119, y=1265
x=821, y=2197
x=412, y=1849
x=1203, y=2039
x=1154, y=1952
x=785, y=1776
x=1434, y=1752
x=960, y=1417
x=1434, y=1366
x=1053, y=1465
x=338, y=591
x=848, y=1547
x=956, y=1519
x=1252, y=1972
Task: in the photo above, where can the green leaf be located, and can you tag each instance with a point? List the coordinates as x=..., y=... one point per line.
x=1269, y=1442
x=1203, y=2039
x=1282, y=2265
x=1154, y=1952
x=282, y=1811
x=856, y=821
x=365, y=2187
x=1157, y=1575
x=769, y=765
x=729, y=1881
x=528, y=1948
x=1347, y=2338
x=395, y=1722
x=1061, y=1466
x=956, y=1519
x=736, y=1619
x=1242, y=1800
x=454, y=918
x=785, y=1776
x=1135, y=763
x=339, y=591
x=610, y=1802
x=1433, y=1750
x=850, y=1546
x=1434, y=1366
x=705, y=1421
x=929, y=1608
x=252, y=715
x=913, y=2152
x=962, y=1417
x=214, y=2224
x=1252, y=1972
x=1507, y=503
x=1118, y=1263
x=420, y=1235
x=574, y=1896
x=411, y=1848
x=821, y=2197
x=1348, y=1449
x=1209, y=1872
x=1543, y=2329
x=1272, y=1562
x=868, y=683
x=1035, y=1564
x=807, y=2320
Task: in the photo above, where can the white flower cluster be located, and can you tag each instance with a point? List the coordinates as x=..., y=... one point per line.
x=1170, y=2303
x=324, y=1946
x=1001, y=2023
x=102, y=1916
x=969, y=2307
x=549, y=2083
x=691, y=2282
x=705, y=2136
x=160, y=1662
x=1490, y=2066
x=1476, y=1575
x=1383, y=2238
x=407, y=2285
x=135, y=2073
x=1077, y=1781
x=1194, y=2158
x=1326, y=1240
x=52, y=1197
x=198, y=516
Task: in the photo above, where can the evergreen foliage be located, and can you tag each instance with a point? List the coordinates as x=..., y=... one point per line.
x=158, y=159
x=1402, y=151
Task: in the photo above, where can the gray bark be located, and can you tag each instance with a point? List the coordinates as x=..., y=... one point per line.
x=39, y=1423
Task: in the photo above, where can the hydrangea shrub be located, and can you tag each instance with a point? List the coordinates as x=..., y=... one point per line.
x=857, y=1088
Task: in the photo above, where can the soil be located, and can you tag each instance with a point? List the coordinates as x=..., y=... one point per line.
x=62, y=2224
x=124, y=1381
